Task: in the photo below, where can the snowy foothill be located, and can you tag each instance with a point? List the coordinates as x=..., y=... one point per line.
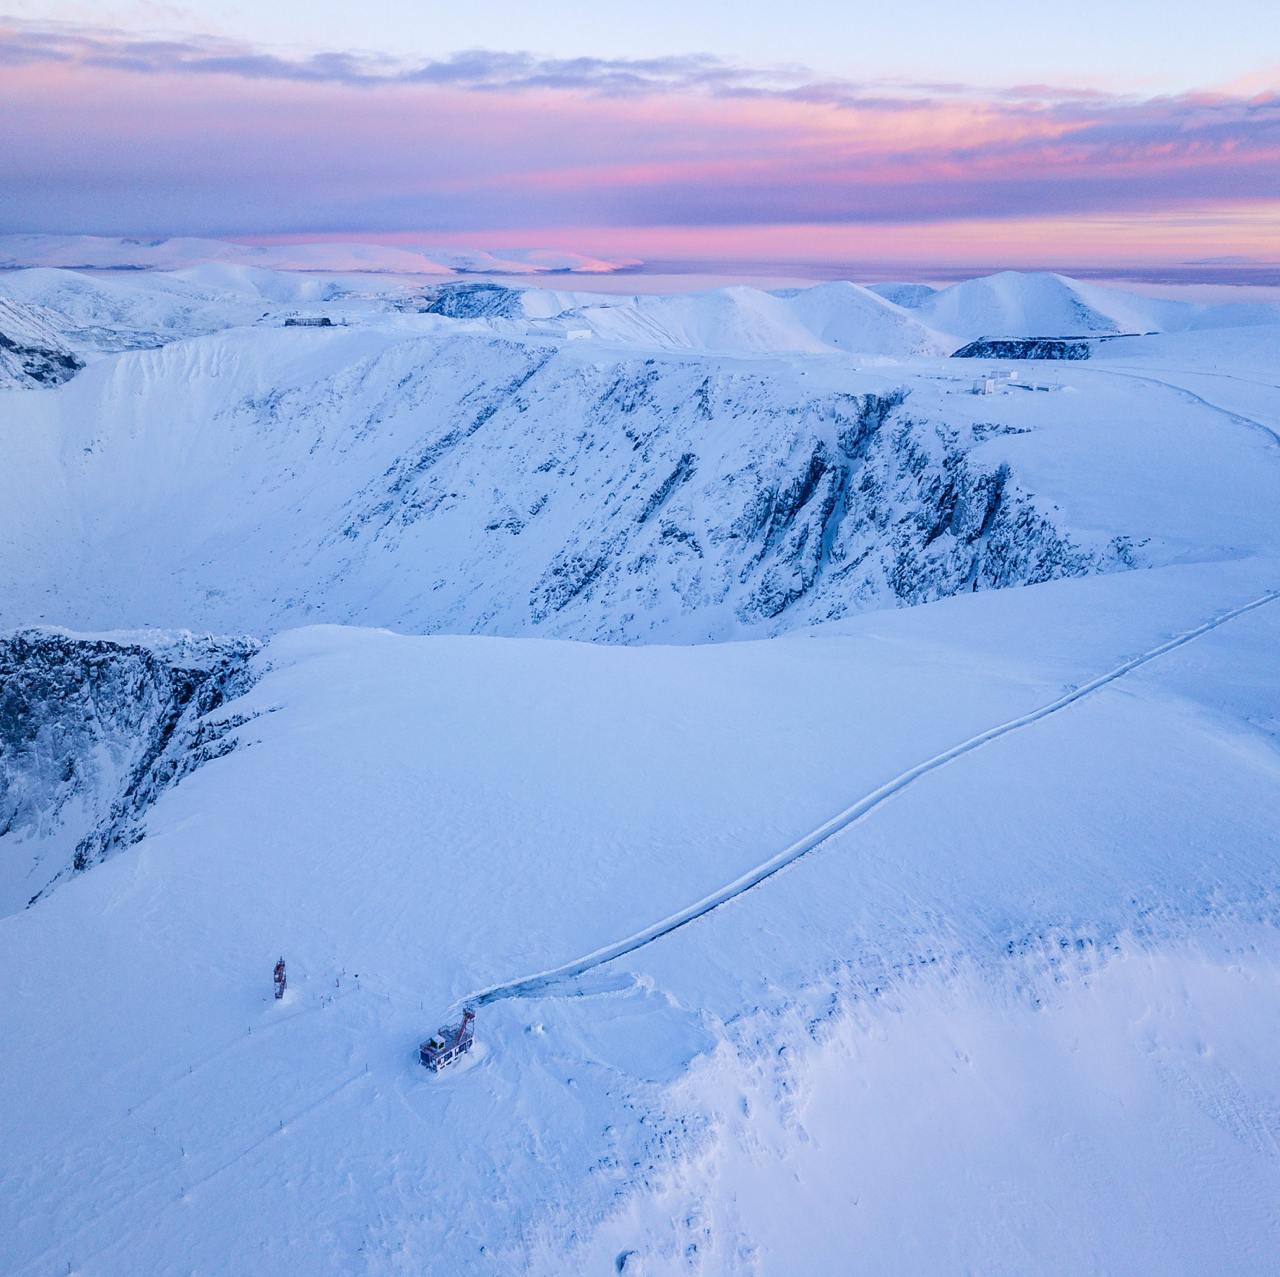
x=842, y=777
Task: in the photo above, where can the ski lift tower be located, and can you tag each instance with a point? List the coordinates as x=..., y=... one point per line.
x=450, y=1043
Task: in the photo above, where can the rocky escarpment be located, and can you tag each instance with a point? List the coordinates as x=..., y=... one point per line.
x=32, y=353
x=467, y=482
x=654, y=498
x=1025, y=348
x=473, y=301
x=92, y=730
x=860, y=506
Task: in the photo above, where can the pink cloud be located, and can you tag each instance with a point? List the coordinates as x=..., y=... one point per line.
x=106, y=135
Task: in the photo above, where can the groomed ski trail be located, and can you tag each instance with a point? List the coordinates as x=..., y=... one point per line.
x=530, y=985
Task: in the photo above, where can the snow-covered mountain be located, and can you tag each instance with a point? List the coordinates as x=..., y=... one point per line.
x=94, y=252
x=909, y=296
x=473, y=471
x=931, y=926
x=740, y=320
x=1041, y=304
x=462, y=481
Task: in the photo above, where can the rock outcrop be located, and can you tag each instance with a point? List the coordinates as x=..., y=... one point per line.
x=92, y=730
x=32, y=352
x=1025, y=348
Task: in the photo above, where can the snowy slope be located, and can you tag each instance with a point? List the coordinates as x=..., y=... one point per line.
x=438, y=815
x=122, y=310
x=932, y=929
x=820, y=319
x=909, y=296
x=110, y=253
x=1042, y=304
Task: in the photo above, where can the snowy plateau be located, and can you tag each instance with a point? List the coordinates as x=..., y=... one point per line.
x=843, y=777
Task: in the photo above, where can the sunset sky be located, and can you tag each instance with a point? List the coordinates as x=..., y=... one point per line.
x=1108, y=133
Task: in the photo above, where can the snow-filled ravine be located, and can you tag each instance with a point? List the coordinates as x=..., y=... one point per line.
x=848, y=800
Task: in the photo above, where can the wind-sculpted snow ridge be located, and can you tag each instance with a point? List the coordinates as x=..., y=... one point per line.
x=92, y=730
x=32, y=351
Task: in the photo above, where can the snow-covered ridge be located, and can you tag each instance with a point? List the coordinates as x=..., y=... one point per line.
x=110, y=311
x=461, y=481
x=838, y=318
x=95, y=312
x=1042, y=304
x=823, y=319
x=92, y=252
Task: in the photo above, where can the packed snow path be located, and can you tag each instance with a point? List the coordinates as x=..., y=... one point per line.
x=1240, y=418
x=532, y=985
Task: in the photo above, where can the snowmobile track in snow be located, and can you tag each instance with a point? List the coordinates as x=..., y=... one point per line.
x=1240, y=418
x=532, y=985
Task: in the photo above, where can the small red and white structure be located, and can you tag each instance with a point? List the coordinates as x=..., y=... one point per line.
x=450, y=1043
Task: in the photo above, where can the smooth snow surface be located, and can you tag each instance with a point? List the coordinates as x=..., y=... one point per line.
x=929, y=926
x=107, y=253
x=1041, y=304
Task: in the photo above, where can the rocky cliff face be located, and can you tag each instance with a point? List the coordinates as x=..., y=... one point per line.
x=473, y=301
x=471, y=483
x=672, y=502
x=1025, y=348
x=32, y=352
x=91, y=731
x=864, y=506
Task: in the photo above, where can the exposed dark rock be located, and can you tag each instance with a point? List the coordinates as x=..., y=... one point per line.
x=1025, y=348
x=473, y=301
x=92, y=730
x=683, y=471
x=32, y=352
